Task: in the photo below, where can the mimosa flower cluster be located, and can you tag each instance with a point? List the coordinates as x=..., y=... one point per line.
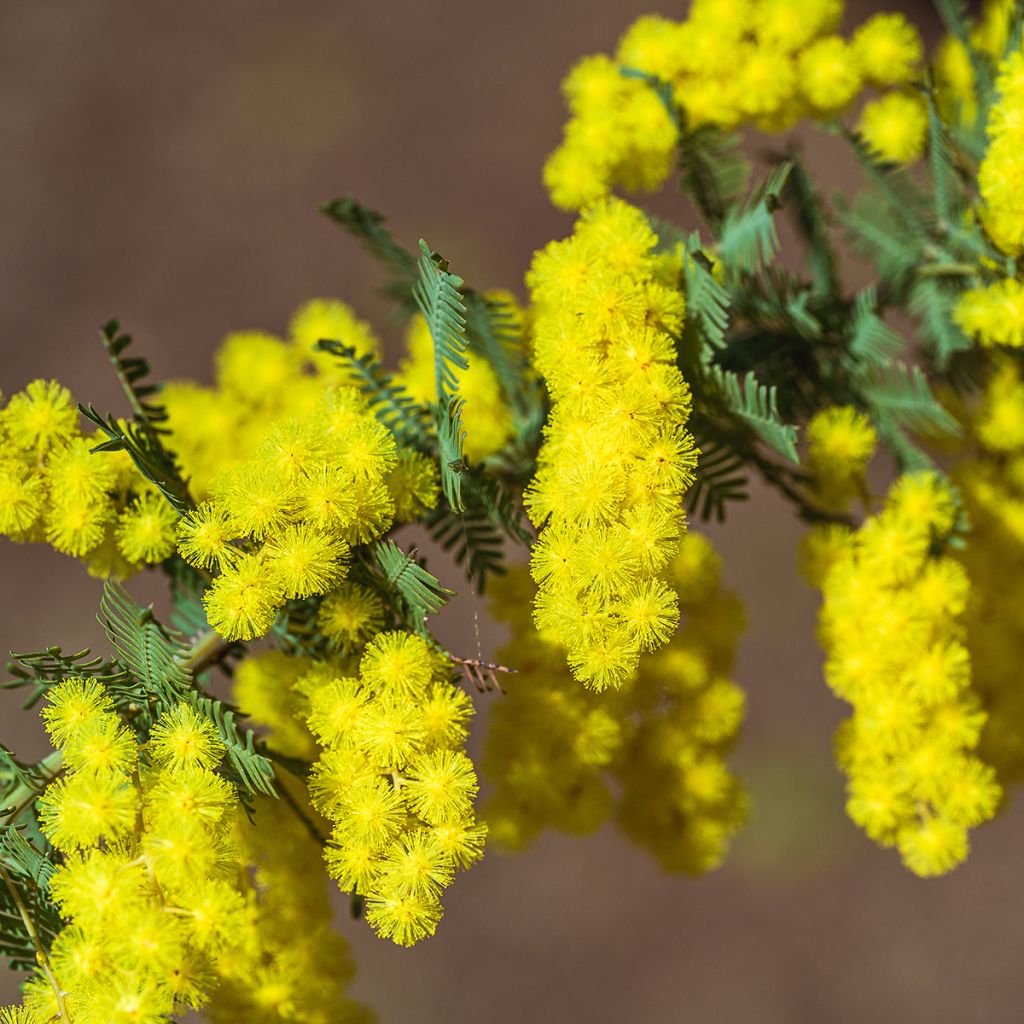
x=273, y=502
x=281, y=524
x=394, y=781
x=893, y=629
x=651, y=755
x=731, y=63
x=992, y=483
x=148, y=883
x=616, y=458
x=53, y=490
x=994, y=313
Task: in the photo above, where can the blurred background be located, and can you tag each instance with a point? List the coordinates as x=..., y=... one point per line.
x=163, y=163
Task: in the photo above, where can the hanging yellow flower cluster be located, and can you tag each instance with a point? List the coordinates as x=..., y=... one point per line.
x=992, y=483
x=651, y=754
x=730, y=63
x=893, y=630
x=52, y=489
x=616, y=458
x=150, y=883
x=394, y=781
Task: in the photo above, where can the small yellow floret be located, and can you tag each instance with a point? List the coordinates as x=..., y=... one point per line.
x=894, y=127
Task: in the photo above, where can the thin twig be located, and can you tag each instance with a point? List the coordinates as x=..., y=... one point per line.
x=41, y=957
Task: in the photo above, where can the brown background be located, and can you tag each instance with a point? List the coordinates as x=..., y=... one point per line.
x=162, y=163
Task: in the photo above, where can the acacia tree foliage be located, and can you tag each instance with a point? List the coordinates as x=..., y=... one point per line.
x=295, y=719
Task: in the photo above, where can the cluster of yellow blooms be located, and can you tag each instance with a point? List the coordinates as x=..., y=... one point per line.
x=893, y=629
x=992, y=483
x=311, y=472
x=731, y=62
x=953, y=71
x=994, y=314
x=154, y=885
x=840, y=444
x=96, y=508
x=280, y=524
x=293, y=966
x=653, y=753
x=260, y=380
x=616, y=457
x=393, y=780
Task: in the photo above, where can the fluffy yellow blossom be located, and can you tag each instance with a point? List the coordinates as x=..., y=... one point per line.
x=558, y=753
x=393, y=782
x=618, y=415
x=893, y=631
x=894, y=126
x=994, y=315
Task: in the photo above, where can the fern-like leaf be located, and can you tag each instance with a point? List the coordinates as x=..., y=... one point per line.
x=145, y=449
x=872, y=342
x=721, y=480
x=942, y=164
x=154, y=653
x=902, y=395
x=707, y=302
x=42, y=669
x=755, y=405
x=20, y=858
x=405, y=577
x=477, y=535
x=932, y=305
x=157, y=656
x=749, y=236
x=439, y=300
x=405, y=418
x=247, y=767
x=131, y=372
x=714, y=173
x=367, y=227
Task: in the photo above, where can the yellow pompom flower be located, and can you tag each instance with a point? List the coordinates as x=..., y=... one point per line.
x=841, y=440
x=79, y=810
x=894, y=127
x=182, y=739
x=888, y=49
x=204, y=537
x=146, y=530
x=22, y=496
x=77, y=475
x=305, y=561
x=399, y=664
x=828, y=75
x=417, y=866
x=329, y=319
x=257, y=367
x=1000, y=418
x=350, y=614
x=40, y=416
x=101, y=746
x=404, y=919
x=933, y=847
x=791, y=24
x=75, y=528
x=242, y=602
x=993, y=315
x=441, y=785
x=414, y=485
x=73, y=705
